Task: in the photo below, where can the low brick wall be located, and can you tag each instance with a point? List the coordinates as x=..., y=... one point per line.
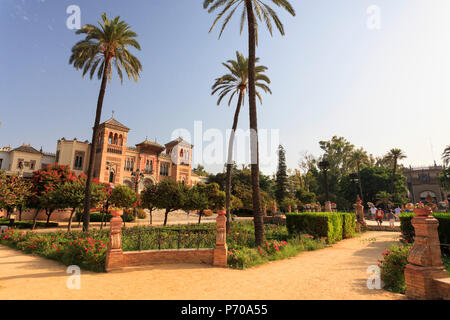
x=116, y=259
x=443, y=287
x=139, y=258
x=383, y=228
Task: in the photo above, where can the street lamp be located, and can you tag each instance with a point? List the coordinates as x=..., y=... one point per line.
x=355, y=180
x=137, y=175
x=324, y=165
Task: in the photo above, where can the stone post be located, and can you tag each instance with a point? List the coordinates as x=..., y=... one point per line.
x=114, y=255
x=274, y=208
x=328, y=206
x=425, y=260
x=359, y=210
x=221, y=250
x=289, y=208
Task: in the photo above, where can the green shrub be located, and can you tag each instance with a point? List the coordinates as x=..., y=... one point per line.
x=141, y=214
x=392, y=268
x=29, y=224
x=349, y=225
x=406, y=226
x=408, y=233
x=98, y=216
x=320, y=225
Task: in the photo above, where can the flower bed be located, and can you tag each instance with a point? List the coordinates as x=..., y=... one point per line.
x=88, y=250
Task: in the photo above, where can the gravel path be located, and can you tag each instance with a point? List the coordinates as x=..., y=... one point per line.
x=338, y=272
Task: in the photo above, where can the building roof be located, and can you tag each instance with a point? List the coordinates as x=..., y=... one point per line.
x=115, y=123
x=27, y=149
x=149, y=143
x=177, y=141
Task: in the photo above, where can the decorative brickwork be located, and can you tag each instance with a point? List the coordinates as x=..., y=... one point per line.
x=425, y=261
x=116, y=259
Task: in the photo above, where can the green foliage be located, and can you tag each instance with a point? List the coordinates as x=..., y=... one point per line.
x=281, y=179
x=305, y=197
x=14, y=191
x=107, y=45
x=28, y=224
x=285, y=203
x=349, y=225
x=319, y=224
x=392, y=268
x=445, y=178
x=123, y=197
x=408, y=233
x=99, y=216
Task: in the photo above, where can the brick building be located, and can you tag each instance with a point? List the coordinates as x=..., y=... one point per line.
x=424, y=181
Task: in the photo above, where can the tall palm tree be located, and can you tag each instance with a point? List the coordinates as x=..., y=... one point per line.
x=395, y=155
x=446, y=156
x=356, y=159
x=236, y=83
x=384, y=199
x=104, y=47
x=267, y=14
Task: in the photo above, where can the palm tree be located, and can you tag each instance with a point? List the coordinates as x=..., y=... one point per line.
x=384, y=198
x=446, y=156
x=236, y=82
x=104, y=47
x=395, y=155
x=268, y=14
x=356, y=159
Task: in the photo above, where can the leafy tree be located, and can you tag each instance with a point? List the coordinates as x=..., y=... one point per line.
x=14, y=193
x=384, y=199
x=445, y=179
x=236, y=83
x=104, y=47
x=43, y=183
x=281, y=177
x=200, y=170
x=357, y=158
x=286, y=202
x=446, y=156
x=170, y=196
x=71, y=195
x=267, y=14
x=305, y=197
x=395, y=155
x=149, y=197
x=123, y=197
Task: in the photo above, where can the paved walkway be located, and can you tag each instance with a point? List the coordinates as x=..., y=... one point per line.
x=338, y=272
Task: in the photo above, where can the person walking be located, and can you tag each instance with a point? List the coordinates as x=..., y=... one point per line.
x=373, y=211
x=379, y=216
x=391, y=218
x=397, y=213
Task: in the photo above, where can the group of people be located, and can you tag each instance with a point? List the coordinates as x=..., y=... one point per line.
x=392, y=215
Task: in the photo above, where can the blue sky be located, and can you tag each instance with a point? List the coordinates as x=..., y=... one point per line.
x=331, y=75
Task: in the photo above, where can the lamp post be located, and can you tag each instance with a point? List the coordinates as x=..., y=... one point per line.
x=137, y=175
x=354, y=179
x=324, y=165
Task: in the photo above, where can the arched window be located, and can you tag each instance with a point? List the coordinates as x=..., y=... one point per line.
x=110, y=138
x=181, y=153
x=116, y=139
x=120, y=140
x=111, y=177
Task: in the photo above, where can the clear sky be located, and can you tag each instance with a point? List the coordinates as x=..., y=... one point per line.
x=331, y=75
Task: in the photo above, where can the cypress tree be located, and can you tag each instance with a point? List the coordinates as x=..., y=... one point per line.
x=281, y=178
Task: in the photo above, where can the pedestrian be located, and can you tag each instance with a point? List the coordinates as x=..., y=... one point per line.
x=373, y=210
x=379, y=216
x=397, y=213
x=391, y=218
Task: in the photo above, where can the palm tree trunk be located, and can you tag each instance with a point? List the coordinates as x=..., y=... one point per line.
x=257, y=212
x=360, y=184
x=230, y=159
x=87, y=193
x=393, y=176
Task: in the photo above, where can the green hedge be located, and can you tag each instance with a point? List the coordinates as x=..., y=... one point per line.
x=28, y=224
x=349, y=225
x=97, y=217
x=444, y=228
x=318, y=224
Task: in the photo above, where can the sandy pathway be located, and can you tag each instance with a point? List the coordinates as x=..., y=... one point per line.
x=338, y=272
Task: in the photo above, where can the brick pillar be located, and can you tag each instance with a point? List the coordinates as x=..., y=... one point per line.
x=114, y=255
x=328, y=207
x=221, y=250
x=425, y=260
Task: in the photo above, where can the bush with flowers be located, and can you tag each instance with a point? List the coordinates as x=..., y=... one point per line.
x=392, y=267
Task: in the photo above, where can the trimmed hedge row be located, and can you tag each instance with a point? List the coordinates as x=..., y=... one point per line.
x=28, y=224
x=408, y=233
x=97, y=217
x=333, y=226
